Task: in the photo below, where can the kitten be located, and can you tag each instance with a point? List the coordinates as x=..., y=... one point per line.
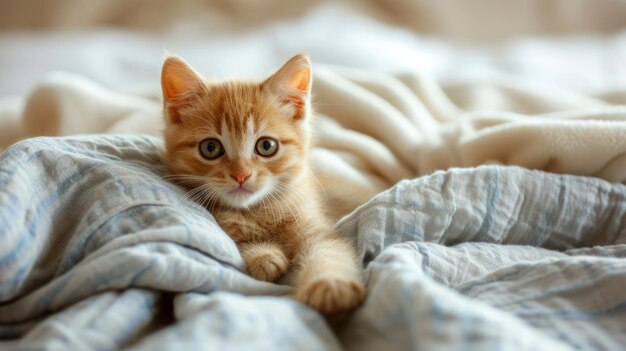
x=243, y=145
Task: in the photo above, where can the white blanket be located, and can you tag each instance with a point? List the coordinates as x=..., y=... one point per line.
x=375, y=129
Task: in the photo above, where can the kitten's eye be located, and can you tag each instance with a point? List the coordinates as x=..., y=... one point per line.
x=211, y=149
x=266, y=147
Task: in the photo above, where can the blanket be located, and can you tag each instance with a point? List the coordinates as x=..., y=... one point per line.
x=374, y=129
x=99, y=252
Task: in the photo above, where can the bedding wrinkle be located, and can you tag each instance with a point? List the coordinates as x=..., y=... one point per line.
x=576, y=288
x=494, y=193
x=380, y=128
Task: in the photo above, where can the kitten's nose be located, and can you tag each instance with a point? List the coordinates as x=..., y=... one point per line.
x=240, y=176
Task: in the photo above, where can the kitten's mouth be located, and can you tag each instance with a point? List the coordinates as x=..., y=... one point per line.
x=242, y=196
x=241, y=190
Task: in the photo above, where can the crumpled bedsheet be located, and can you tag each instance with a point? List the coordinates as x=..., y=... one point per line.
x=99, y=252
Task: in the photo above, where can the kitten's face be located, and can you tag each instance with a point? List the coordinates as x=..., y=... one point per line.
x=241, y=142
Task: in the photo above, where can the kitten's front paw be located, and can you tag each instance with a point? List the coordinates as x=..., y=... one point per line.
x=267, y=264
x=332, y=295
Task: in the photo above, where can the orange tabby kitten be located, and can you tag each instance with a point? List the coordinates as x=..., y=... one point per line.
x=244, y=146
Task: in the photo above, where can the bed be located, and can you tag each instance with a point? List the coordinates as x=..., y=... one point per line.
x=481, y=182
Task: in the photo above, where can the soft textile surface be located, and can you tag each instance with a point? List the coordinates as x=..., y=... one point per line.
x=411, y=104
x=99, y=252
x=375, y=129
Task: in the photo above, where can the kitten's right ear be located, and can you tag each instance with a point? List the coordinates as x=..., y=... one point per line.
x=179, y=83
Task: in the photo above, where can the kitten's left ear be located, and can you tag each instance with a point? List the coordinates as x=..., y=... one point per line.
x=292, y=83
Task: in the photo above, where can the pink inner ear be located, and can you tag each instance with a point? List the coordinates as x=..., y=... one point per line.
x=172, y=94
x=300, y=80
x=172, y=87
x=177, y=78
x=292, y=82
x=177, y=81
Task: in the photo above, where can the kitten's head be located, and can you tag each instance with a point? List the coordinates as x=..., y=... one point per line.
x=241, y=141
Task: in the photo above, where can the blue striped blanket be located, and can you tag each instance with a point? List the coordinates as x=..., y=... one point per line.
x=98, y=252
